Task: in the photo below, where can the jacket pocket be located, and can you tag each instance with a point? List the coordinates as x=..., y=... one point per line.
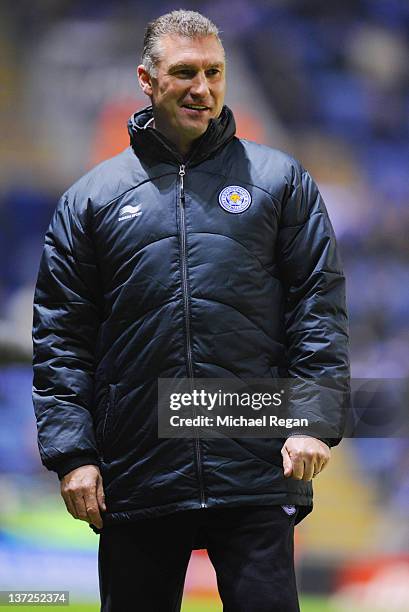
x=108, y=420
x=278, y=372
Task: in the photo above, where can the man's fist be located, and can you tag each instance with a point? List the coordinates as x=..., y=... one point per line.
x=304, y=457
x=83, y=494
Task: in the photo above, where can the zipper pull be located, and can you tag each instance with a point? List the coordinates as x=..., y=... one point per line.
x=182, y=186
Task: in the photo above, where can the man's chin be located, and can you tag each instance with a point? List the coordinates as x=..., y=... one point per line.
x=195, y=127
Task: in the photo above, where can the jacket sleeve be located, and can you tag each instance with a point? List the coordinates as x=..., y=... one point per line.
x=315, y=312
x=65, y=328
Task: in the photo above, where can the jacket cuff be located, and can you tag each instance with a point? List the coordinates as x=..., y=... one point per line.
x=328, y=441
x=71, y=463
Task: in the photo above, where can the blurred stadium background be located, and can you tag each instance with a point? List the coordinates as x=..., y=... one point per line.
x=327, y=81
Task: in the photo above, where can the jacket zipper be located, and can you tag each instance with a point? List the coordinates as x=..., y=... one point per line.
x=185, y=288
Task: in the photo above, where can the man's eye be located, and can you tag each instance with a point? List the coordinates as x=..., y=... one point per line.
x=185, y=74
x=213, y=71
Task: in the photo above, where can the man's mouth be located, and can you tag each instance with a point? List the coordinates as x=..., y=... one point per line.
x=198, y=108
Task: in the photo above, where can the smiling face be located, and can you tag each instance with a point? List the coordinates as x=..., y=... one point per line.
x=188, y=88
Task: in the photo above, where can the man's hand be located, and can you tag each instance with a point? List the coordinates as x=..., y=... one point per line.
x=304, y=457
x=83, y=494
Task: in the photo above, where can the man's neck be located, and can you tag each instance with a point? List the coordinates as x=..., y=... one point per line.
x=182, y=147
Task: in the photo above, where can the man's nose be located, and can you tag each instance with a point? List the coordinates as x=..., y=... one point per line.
x=199, y=85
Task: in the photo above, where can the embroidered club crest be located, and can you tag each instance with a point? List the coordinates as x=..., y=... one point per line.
x=234, y=199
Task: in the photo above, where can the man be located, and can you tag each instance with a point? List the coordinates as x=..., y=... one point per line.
x=190, y=254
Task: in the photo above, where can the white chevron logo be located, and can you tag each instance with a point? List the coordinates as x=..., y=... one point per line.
x=129, y=212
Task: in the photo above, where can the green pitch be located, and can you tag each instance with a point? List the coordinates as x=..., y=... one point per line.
x=308, y=604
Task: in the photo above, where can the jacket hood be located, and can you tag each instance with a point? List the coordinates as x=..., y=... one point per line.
x=146, y=141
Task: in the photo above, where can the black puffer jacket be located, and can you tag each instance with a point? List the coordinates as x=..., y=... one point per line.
x=148, y=271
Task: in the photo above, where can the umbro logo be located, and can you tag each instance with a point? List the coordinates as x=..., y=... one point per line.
x=129, y=212
x=289, y=509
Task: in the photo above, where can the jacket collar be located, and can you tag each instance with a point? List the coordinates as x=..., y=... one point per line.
x=148, y=142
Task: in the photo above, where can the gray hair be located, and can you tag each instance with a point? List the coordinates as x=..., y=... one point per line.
x=180, y=23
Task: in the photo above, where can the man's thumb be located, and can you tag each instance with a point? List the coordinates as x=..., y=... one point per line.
x=287, y=464
x=101, y=495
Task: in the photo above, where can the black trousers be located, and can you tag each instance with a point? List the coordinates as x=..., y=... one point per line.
x=142, y=564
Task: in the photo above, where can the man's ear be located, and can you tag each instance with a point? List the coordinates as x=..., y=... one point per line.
x=144, y=79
